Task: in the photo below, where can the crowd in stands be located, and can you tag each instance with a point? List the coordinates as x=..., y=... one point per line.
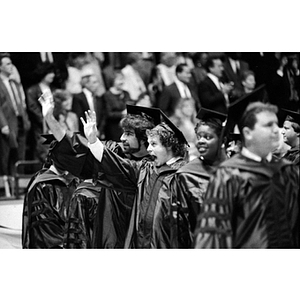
x=105, y=82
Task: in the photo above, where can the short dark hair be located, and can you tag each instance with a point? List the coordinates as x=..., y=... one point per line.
x=3, y=55
x=247, y=73
x=294, y=124
x=168, y=139
x=249, y=118
x=43, y=69
x=180, y=68
x=213, y=123
x=138, y=124
x=210, y=60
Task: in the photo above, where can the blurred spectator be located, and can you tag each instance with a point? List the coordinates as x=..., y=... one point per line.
x=133, y=82
x=155, y=86
x=115, y=100
x=199, y=72
x=213, y=94
x=45, y=75
x=93, y=66
x=185, y=58
x=75, y=63
x=167, y=67
x=14, y=122
x=184, y=118
x=234, y=67
x=67, y=119
x=179, y=89
x=248, y=82
x=144, y=100
x=27, y=62
x=285, y=86
x=88, y=100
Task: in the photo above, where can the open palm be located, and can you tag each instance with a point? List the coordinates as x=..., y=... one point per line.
x=89, y=126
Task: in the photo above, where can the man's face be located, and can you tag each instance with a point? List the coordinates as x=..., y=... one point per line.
x=289, y=134
x=6, y=66
x=207, y=142
x=159, y=152
x=264, y=137
x=92, y=84
x=185, y=75
x=130, y=143
x=217, y=68
x=119, y=82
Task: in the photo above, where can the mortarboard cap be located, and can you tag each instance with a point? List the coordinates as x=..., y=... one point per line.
x=205, y=113
x=48, y=138
x=153, y=113
x=174, y=128
x=283, y=113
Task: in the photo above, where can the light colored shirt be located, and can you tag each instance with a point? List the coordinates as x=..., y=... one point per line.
x=215, y=80
x=184, y=91
x=90, y=98
x=247, y=153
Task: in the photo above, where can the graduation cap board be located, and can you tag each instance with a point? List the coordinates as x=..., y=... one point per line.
x=158, y=117
x=284, y=113
x=174, y=128
x=153, y=113
x=208, y=114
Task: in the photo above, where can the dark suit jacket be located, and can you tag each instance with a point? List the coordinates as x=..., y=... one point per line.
x=8, y=116
x=230, y=76
x=170, y=97
x=26, y=63
x=211, y=97
x=80, y=105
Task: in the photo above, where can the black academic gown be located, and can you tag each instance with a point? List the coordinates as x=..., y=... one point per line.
x=249, y=204
x=45, y=210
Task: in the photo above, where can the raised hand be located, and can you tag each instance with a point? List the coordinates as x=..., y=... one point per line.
x=89, y=126
x=46, y=100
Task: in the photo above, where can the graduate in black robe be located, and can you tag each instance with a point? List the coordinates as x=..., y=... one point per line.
x=252, y=201
x=46, y=205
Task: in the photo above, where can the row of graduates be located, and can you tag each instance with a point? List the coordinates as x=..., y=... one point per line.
x=146, y=194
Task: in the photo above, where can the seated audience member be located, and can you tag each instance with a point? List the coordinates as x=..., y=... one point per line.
x=252, y=201
x=115, y=100
x=62, y=111
x=291, y=136
x=189, y=184
x=46, y=206
x=45, y=75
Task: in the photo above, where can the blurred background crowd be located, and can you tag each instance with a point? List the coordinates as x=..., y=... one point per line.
x=179, y=83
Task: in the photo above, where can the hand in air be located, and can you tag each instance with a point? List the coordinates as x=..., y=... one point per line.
x=46, y=100
x=89, y=126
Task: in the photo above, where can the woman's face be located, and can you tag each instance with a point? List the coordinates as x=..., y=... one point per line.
x=67, y=104
x=249, y=82
x=119, y=82
x=207, y=142
x=49, y=78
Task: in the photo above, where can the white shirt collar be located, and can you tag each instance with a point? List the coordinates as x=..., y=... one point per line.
x=215, y=80
x=247, y=153
x=183, y=89
x=172, y=161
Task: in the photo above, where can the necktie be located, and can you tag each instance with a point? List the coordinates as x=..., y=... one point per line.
x=15, y=99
